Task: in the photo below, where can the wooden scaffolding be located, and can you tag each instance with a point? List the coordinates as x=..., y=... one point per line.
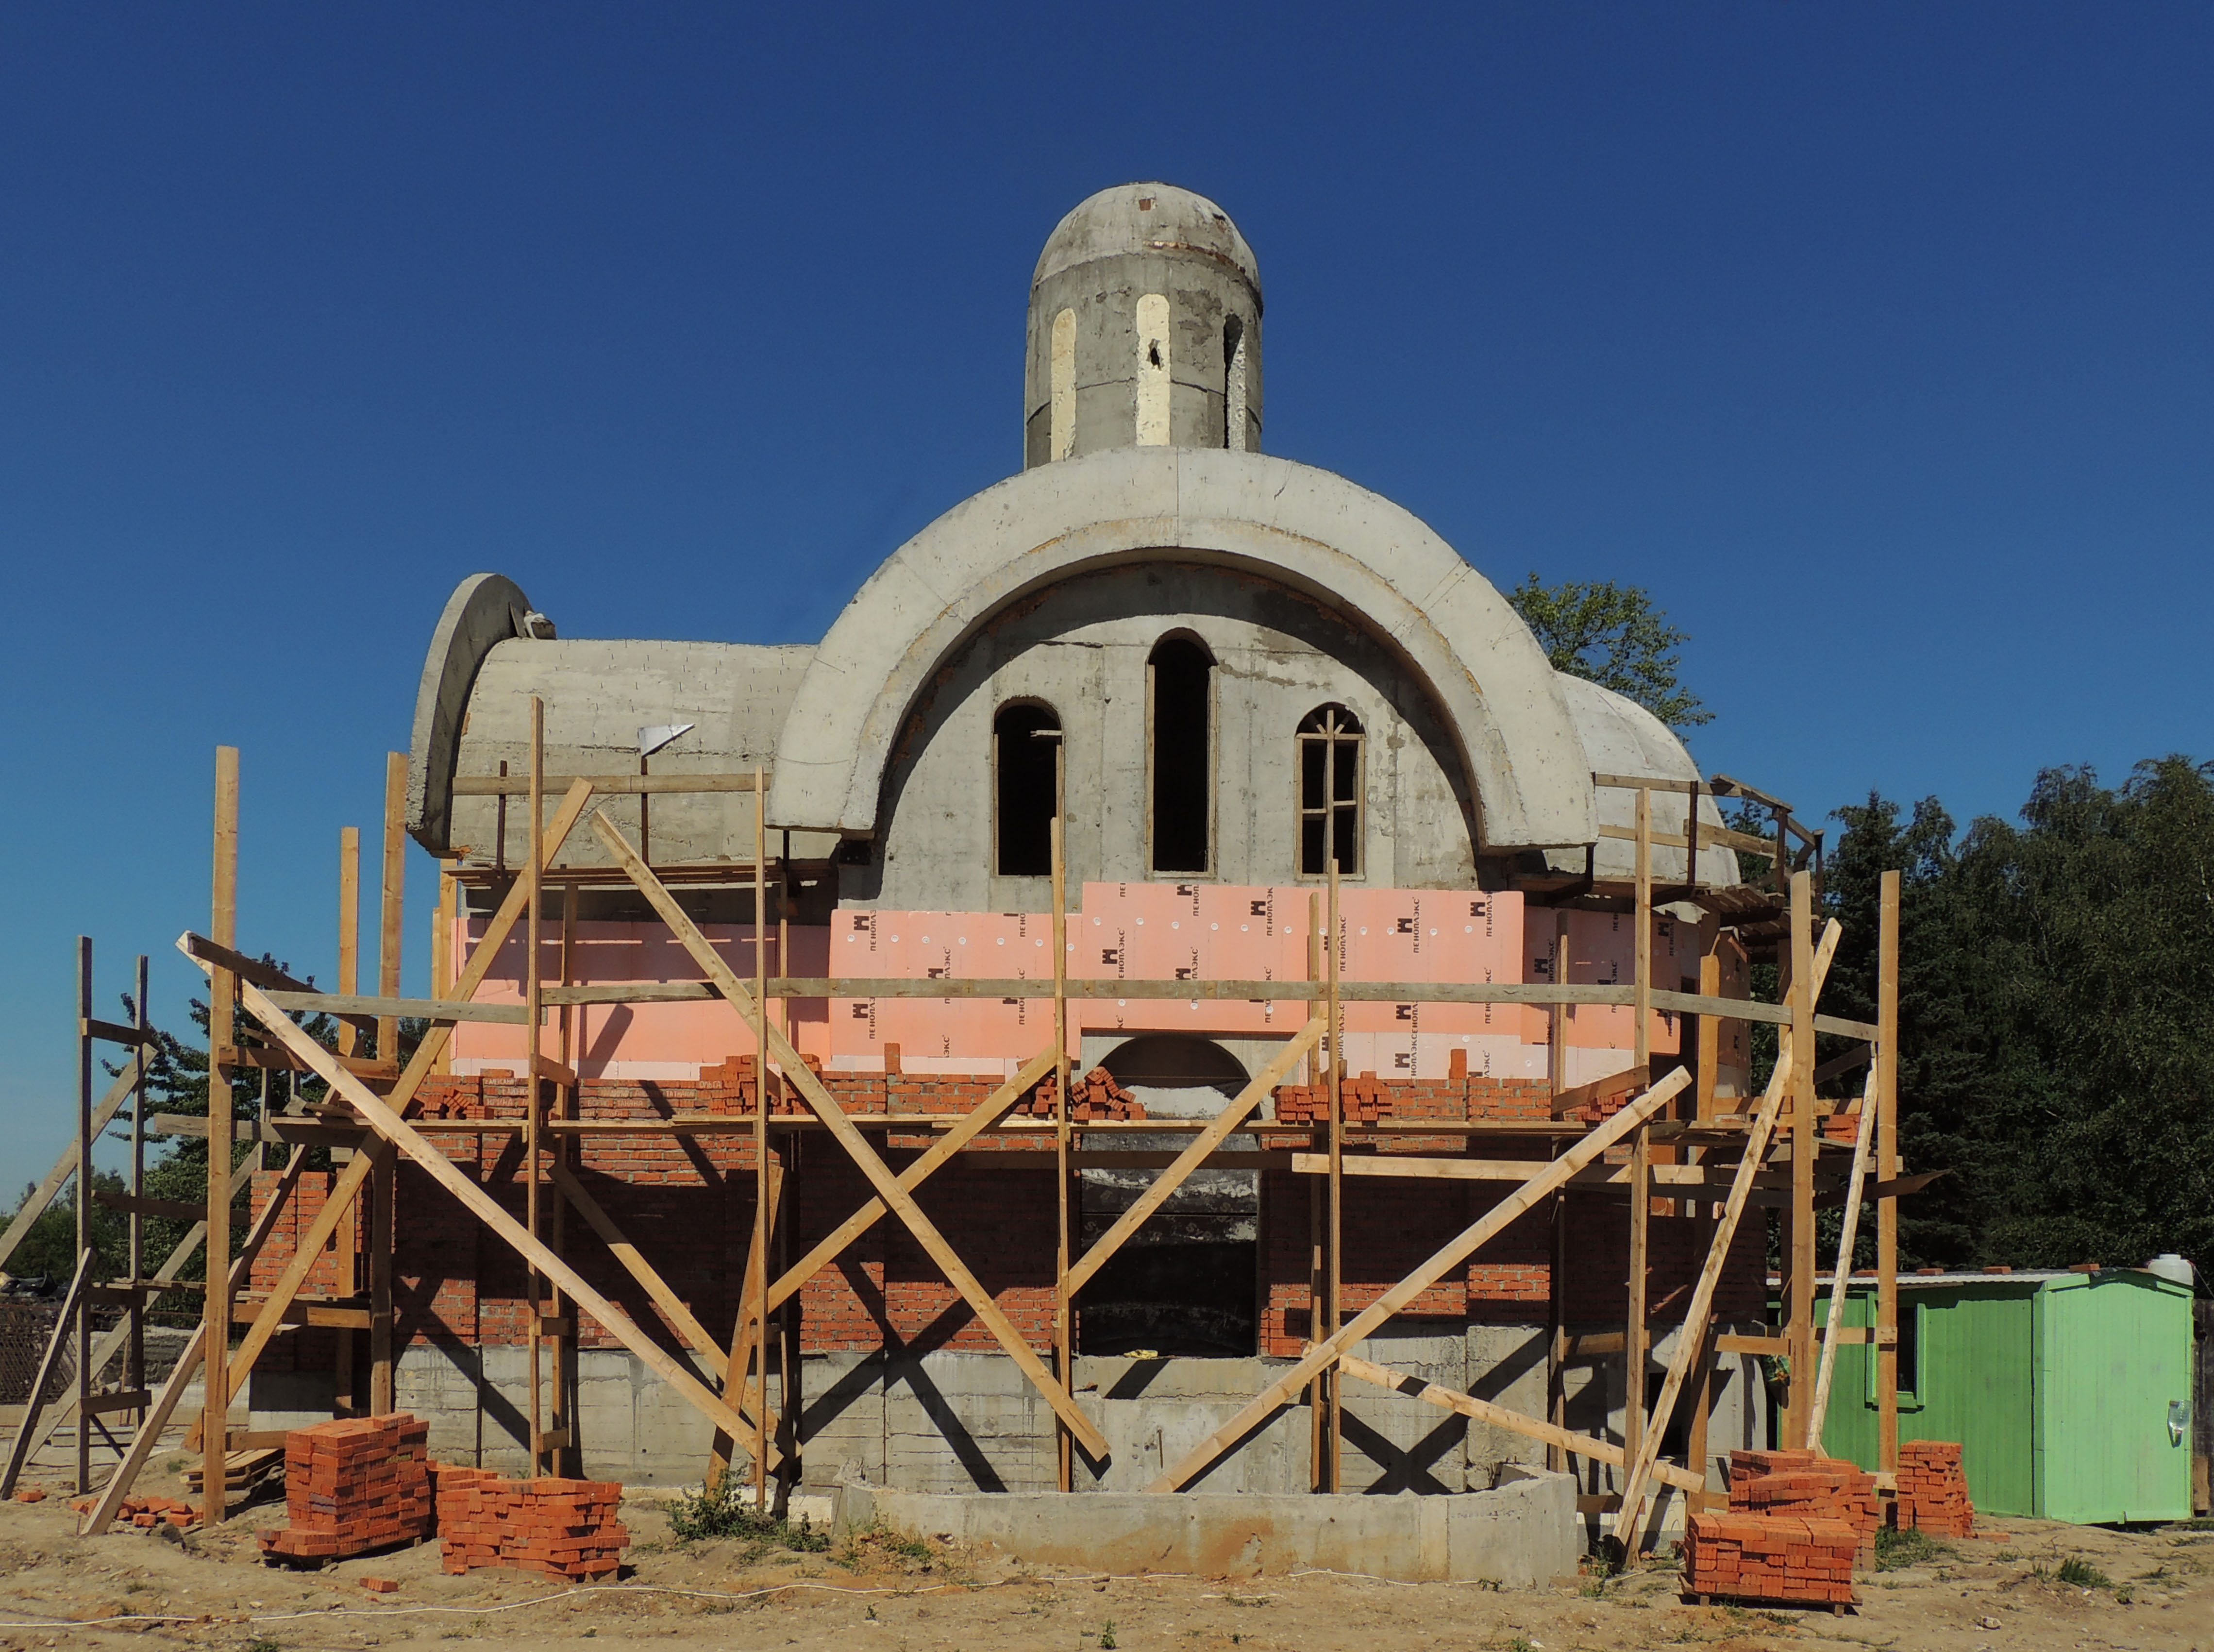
x=1688, y=1154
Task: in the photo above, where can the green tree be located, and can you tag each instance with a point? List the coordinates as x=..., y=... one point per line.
x=1615, y=636
x=2057, y=1015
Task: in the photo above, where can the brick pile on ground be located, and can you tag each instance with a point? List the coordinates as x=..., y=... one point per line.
x=1933, y=1489
x=1787, y=1559
x=1365, y=1100
x=1809, y=1485
x=352, y=1486
x=563, y=1528
x=143, y=1513
x=1092, y=1098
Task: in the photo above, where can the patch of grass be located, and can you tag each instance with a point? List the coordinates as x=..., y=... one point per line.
x=722, y=1509
x=262, y=1643
x=2080, y=1574
x=2004, y=1556
x=1895, y=1549
x=1107, y=1642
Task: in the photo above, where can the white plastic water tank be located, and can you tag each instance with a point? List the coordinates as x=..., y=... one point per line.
x=2169, y=1265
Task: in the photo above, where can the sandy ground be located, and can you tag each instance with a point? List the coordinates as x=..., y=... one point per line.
x=212, y=1590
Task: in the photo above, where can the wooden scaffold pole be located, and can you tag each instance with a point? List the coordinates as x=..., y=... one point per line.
x=1886, y=1210
x=1064, y=1305
x=533, y=1017
x=222, y=1015
x=757, y=1254
x=1636, y=1334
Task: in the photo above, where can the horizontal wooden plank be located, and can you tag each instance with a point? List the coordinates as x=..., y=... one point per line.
x=546, y=1067
x=295, y=1132
x=432, y=1009
x=1650, y=783
x=267, y=1057
x=322, y=1315
x=1730, y=1343
x=1710, y=837
x=518, y=785
x=115, y=1032
x=266, y=975
x=1243, y=992
x=132, y=1203
x=123, y=1399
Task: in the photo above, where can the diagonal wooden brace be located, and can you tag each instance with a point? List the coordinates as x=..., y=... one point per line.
x=357, y=1174
x=403, y=1136
x=826, y=1107
x=1693, y=1337
x=634, y=1263
x=978, y=1119
x=1551, y=1174
x=1224, y=1126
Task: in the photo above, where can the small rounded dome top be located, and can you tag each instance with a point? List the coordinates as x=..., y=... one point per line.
x=1141, y=219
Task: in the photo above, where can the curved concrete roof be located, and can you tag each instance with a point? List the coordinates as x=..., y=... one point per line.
x=484, y=610
x=1111, y=222
x=1289, y=523
x=1620, y=737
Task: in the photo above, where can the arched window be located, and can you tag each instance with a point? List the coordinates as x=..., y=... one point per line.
x=1233, y=384
x=1330, y=792
x=1180, y=716
x=1025, y=788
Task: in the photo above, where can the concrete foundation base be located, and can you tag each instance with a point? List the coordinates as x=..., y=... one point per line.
x=1519, y=1535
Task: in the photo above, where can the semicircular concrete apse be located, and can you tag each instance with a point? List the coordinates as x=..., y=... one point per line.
x=1303, y=527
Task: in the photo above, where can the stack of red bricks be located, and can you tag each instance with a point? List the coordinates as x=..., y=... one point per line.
x=1781, y=1558
x=734, y=1086
x=1807, y=1485
x=1933, y=1489
x=1365, y=1099
x=564, y=1528
x=351, y=1486
x=1093, y=1098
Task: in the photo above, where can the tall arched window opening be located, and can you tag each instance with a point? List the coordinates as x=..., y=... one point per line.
x=1025, y=788
x=1330, y=792
x=1180, y=715
x=1233, y=384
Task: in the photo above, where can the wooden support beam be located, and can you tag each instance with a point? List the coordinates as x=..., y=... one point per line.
x=979, y=1118
x=429, y=1009
x=1064, y=1293
x=1692, y=1337
x=834, y=1118
x=397, y=1131
x=157, y=1419
x=72, y=1313
x=1887, y=1176
x=748, y=1337
x=516, y=786
x=1844, y=1272
x=421, y=1066
x=1550, y=1175
x=687, y=1324
x=1806, y=1140
x=223, y=1000
x=756, y=1284
x=1499, y=1416
x=1224, y=1125
x=1628, y=1082
x=65, y=1167
x=1637, y=1337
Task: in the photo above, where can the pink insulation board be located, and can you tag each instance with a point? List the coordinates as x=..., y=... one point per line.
x=1119, y=931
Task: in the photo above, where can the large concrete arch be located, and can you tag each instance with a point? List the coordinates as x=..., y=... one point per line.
x=1290, y=523
x=484, y=611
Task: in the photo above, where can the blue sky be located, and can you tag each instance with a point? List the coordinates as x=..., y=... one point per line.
x=1875, y=340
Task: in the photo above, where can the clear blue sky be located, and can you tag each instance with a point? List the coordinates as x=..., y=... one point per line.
x=1875, y=339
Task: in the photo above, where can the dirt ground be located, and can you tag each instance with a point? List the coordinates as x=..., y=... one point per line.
x=212, y=1591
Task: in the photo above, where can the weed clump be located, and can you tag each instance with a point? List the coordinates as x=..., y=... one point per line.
x=722, y=1509
x=1896, y=1549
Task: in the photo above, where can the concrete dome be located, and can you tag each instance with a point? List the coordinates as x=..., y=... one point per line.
x=1146, y=217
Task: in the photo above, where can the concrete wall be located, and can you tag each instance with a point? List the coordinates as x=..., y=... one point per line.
x=955, y=1423
x=1082, y=649
x=1518, y=1535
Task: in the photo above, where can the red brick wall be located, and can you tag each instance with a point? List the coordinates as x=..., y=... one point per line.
x=687, y=1203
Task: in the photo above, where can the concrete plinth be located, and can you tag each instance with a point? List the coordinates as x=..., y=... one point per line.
x=1519, y=1535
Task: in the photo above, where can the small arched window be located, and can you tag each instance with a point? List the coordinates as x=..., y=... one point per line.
x=1180, y=715
x=1330, y=792
x=1025, y=788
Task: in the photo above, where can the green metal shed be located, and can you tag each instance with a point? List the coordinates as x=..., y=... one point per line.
x=2069, y=1393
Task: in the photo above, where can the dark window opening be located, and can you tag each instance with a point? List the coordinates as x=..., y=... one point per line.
x=1910, y=1348
x=1026, y=774
x=1330, y=792
x=1186, y=1283
x=1182, y=692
